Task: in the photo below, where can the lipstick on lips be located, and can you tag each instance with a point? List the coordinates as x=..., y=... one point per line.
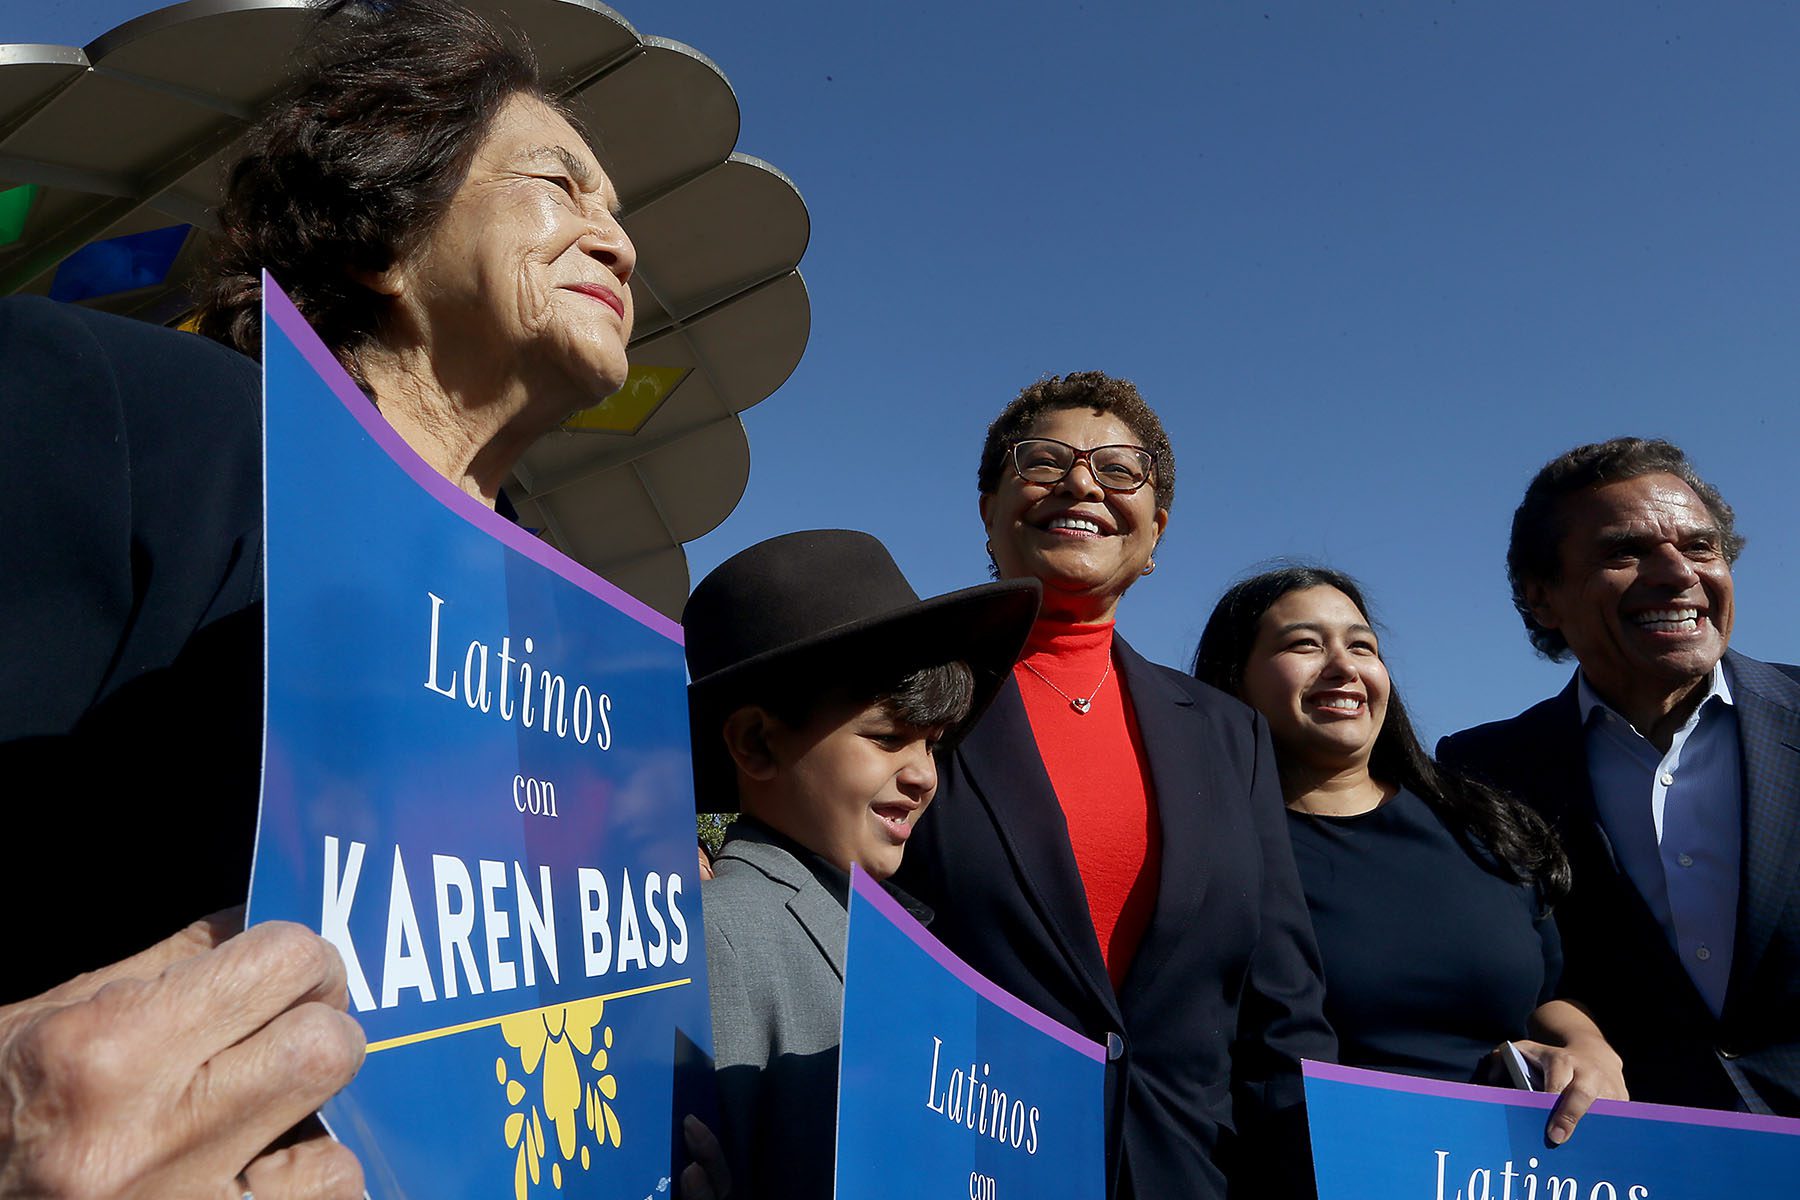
x=601, y=293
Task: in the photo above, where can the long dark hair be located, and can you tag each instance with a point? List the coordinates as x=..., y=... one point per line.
x=1522, y=846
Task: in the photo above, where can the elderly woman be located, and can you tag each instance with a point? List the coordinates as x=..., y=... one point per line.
x=1429, y=893
x=453, y=239
x=1108, y=843
x=444, y=229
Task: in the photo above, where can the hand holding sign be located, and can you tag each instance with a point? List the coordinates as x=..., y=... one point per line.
x=707, y=1177
x=1571, y=1058
x=170, y=1073
x=1381, y=1135
x=1581, y=1072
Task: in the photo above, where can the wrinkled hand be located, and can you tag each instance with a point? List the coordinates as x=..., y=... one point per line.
x=172, y=1072
x=707, y=1177
x=1582, y=1072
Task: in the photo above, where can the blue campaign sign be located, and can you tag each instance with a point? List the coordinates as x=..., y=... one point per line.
x=947, y=1083
x=476, y=784
x=1395, y=1137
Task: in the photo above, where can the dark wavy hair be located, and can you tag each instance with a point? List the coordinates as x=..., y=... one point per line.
x=1535, y=552
x=357, y=164
x=938, y=694
x=1094, y=390
x=1522, y=847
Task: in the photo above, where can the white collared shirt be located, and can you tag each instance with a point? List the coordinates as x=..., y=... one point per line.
x=1676, y=823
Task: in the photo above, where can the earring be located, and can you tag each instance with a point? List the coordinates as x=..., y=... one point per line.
x=1148, y=567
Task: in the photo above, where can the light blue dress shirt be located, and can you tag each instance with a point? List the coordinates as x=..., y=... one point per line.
x=1676, y=823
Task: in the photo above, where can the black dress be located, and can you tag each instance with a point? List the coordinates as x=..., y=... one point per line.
x=1431, y=958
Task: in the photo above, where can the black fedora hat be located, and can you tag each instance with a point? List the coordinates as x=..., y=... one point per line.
x=808, y=603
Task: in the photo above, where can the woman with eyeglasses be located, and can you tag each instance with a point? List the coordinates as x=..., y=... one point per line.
x=1382, y=833
x=1109, y=844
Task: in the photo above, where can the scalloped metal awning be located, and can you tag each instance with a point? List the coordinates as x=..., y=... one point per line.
x=112, y=156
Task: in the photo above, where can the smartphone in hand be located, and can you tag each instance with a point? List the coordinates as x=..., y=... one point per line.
x=1521, y=1072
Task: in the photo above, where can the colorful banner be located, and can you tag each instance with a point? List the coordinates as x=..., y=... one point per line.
x=1378, y=1136
x=476, y=785
x=948, y=1083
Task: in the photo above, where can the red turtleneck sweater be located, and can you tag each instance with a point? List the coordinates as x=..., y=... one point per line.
x=1096, y=763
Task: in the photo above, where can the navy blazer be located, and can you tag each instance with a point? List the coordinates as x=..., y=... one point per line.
x=130, y=597
x=1619, y=963
x=1224, y=995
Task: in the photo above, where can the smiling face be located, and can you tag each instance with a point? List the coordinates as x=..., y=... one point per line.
x=1644, y=598
x=524, y=280
x=1315, y=673
x=1086, y=544
x=850, y=784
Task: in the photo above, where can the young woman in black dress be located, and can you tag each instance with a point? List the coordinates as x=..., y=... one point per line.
x=1429, y=893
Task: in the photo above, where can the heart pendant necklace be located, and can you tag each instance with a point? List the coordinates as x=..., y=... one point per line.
x=1080, y=704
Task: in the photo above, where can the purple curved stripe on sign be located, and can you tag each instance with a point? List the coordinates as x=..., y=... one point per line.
x=281, y=310
x=1492, y=1095
x=875, y=894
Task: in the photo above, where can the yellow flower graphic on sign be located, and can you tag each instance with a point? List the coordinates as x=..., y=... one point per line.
x=558, y=1040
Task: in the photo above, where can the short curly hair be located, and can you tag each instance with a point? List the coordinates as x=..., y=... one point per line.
x=1535, y=552
x=357, y=164
x=1094, y=390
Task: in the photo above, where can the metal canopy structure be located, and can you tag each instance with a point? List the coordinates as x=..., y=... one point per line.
x=113, y=156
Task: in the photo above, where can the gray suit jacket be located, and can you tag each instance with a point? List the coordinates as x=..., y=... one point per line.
x=775, y=942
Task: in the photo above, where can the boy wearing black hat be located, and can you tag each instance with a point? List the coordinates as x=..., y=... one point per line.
x=821, y=688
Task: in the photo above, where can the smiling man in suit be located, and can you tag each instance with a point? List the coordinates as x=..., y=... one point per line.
x=1670, y=766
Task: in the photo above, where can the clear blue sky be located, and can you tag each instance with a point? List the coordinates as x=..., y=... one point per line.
x=1373, y=265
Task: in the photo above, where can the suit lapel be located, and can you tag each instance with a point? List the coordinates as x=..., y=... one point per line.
x=1563, y=744
x=1183, y=809
x=1768, y=711
x=824, y=920
x=1000, y=759
x=816, y=910
x=1595, y=864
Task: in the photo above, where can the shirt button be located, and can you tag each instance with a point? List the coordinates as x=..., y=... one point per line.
x=1667, y=778
x=1703, y=954
x=1686, y=860
x=1115, y=1047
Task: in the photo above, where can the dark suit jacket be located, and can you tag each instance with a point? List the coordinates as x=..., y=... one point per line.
x=130, y=599
x=1224, y=996
x=1618, y=962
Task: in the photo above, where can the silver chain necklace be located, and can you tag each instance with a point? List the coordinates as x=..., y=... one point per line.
x=1078, y=703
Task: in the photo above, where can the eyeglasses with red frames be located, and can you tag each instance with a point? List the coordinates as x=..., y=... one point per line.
x=1121, y=468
